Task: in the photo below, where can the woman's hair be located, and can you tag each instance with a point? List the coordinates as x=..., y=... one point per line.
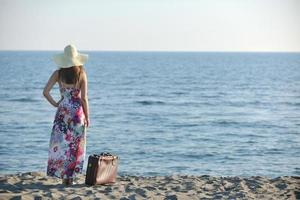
x=71, y=75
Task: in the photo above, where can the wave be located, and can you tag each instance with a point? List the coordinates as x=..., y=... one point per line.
x=292, y=103
x=178, y=93
x=249, y=124
x=149, y=102
x=184, y=125
x=274, y=151
x=226, y=123
x=24, y=99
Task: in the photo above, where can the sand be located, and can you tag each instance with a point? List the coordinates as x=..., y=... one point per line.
x=36, y=185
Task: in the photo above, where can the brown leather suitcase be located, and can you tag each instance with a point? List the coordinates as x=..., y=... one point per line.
x=101, y=169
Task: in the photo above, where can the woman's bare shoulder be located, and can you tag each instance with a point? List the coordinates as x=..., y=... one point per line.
x=84, y=76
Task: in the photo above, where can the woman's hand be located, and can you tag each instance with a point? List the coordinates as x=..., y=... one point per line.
x=87, y=122
x=57, y=104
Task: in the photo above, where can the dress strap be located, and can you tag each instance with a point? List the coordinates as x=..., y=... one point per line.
x=60, y=83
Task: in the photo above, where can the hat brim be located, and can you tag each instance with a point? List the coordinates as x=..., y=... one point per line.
x=66, y=62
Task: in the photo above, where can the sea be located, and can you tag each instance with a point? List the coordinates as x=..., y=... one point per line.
x=163, y=113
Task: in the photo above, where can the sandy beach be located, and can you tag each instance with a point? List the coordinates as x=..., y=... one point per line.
x=36, y=185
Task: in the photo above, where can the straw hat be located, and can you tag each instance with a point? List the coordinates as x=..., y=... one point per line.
x=70, y=57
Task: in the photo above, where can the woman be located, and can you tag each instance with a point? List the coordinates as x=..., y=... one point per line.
x=67, y=142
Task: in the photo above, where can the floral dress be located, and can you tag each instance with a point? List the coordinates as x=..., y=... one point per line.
x=68, y=138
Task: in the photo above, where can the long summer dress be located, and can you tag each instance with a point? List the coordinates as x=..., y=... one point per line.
x=68, y=137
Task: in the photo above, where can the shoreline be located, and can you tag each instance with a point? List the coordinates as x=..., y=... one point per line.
x=36, y=185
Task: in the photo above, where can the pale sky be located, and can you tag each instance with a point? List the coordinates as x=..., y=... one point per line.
x=151, y=25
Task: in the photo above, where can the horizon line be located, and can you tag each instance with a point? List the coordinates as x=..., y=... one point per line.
x=166, y=51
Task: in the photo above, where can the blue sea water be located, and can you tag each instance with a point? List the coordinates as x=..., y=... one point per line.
x=163, y=113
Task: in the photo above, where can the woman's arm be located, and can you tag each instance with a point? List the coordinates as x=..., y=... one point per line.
x=46, y=92
x=84, y=98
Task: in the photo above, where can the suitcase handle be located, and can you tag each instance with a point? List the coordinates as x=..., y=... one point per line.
x=105, y=154
x=102, y=154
